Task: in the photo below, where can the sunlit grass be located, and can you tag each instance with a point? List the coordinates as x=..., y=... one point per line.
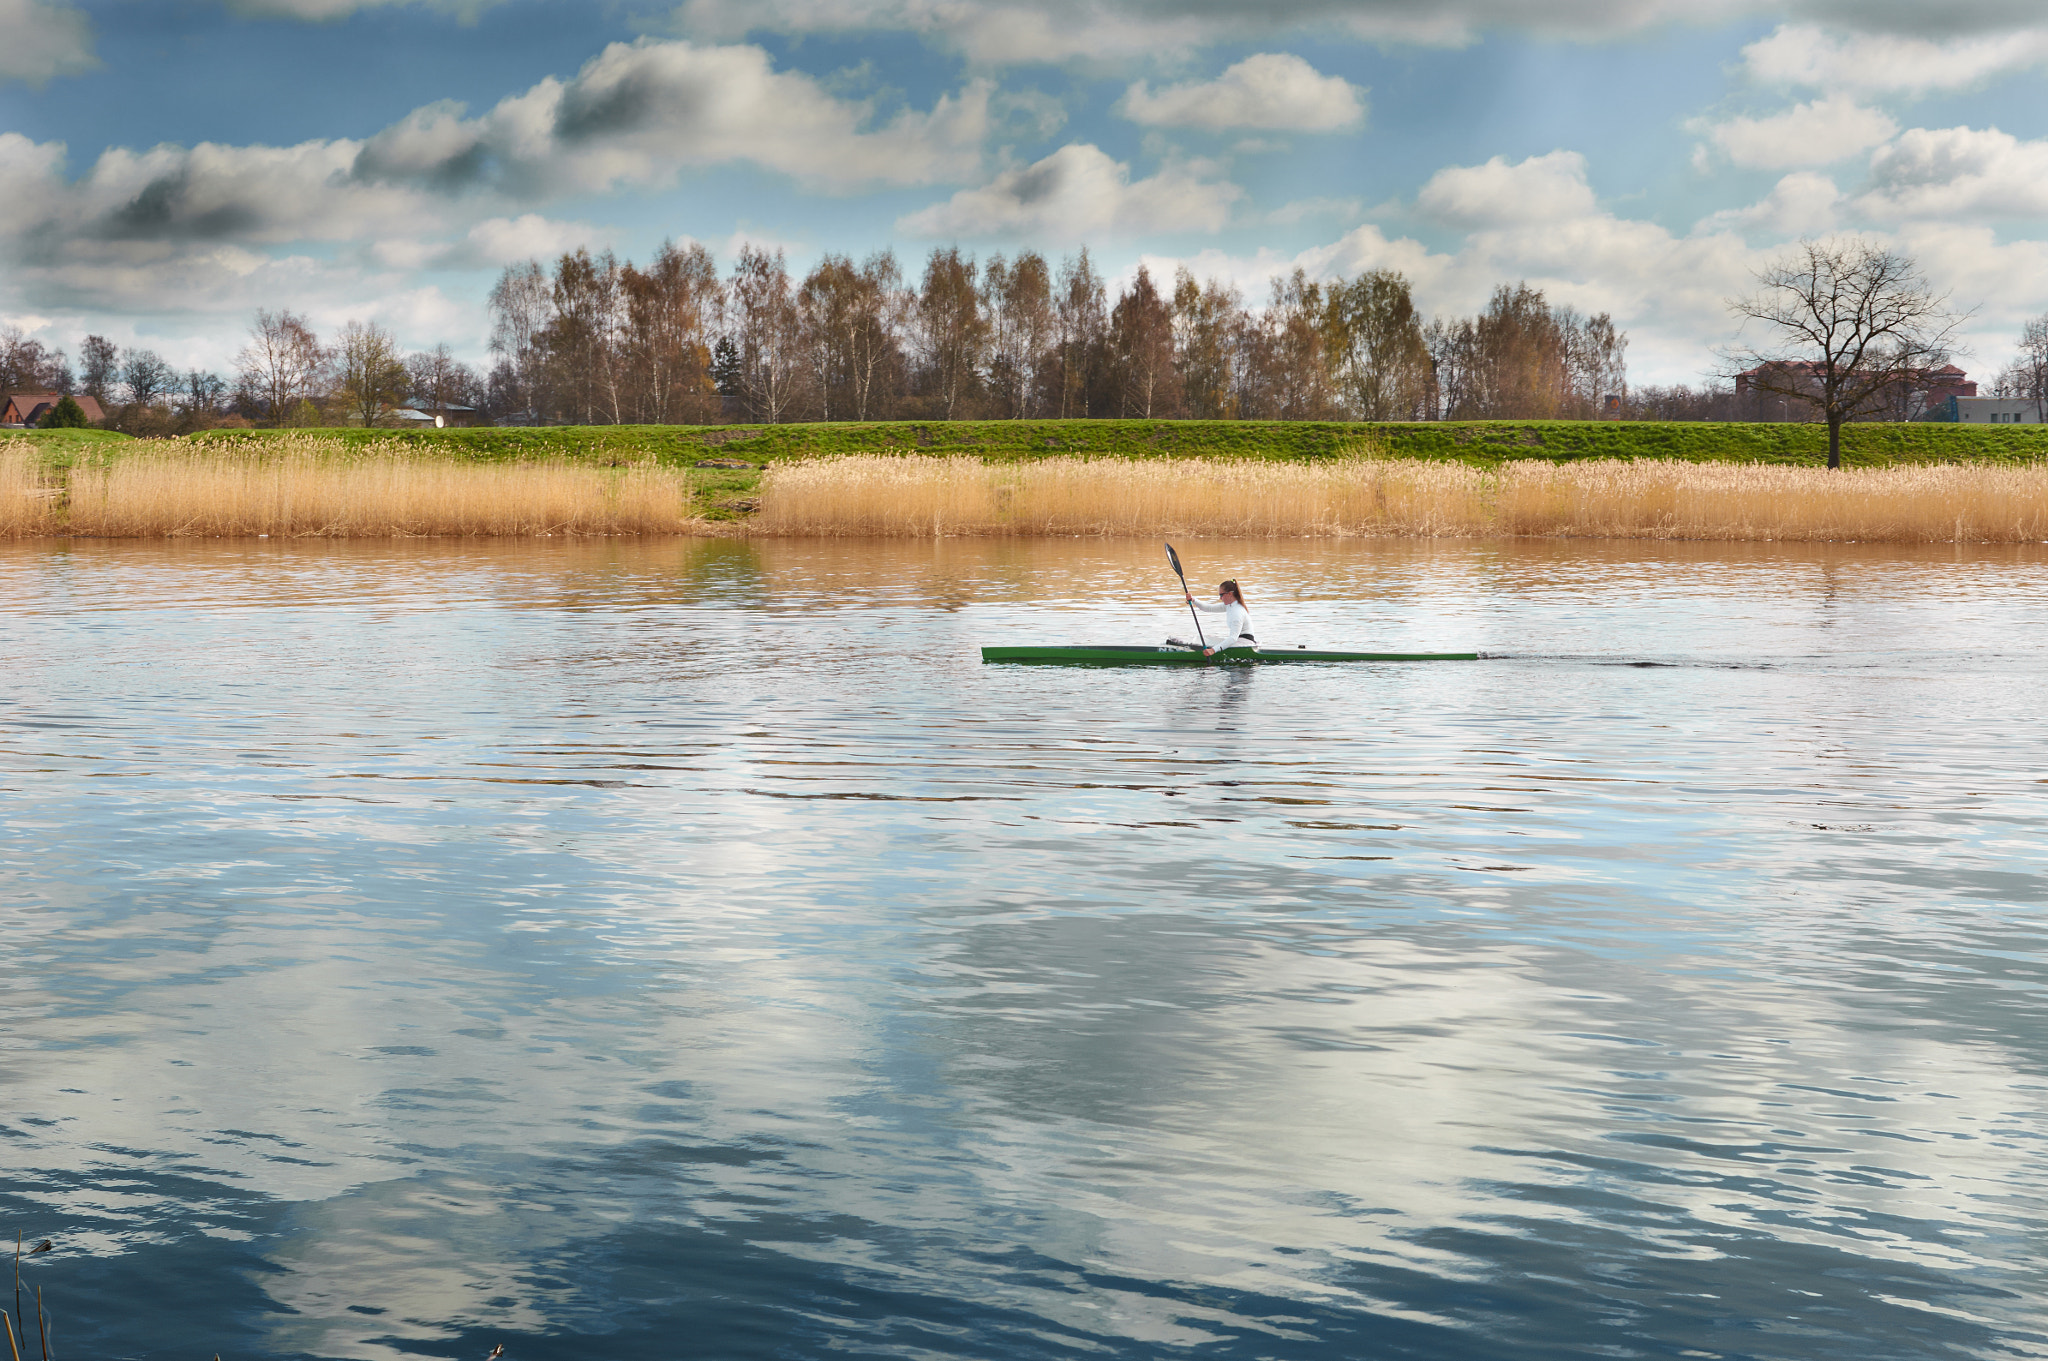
x=923, y=496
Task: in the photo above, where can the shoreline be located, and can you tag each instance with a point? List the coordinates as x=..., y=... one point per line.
x=315, y=487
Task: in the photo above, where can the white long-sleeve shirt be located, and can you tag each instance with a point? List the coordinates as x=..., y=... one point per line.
x=1236, y=620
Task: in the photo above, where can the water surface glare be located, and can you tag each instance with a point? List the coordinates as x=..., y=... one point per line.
x=690, y=949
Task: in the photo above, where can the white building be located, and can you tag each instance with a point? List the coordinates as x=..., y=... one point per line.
x=1994, y=410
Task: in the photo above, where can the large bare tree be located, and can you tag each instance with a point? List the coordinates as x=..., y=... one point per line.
x=1298, y=384
x=852, y=317
x=1210, y=334
x=372, y=375
x=950, y=332
x=671, y=310
x=147, y=377
x=283, y=363
x=1080, y=331
x=1374, y=335
x=99, y=368
x=767, y=327
x=1017, y=298
x=1845, y=324
x=583, y=340
x=2027, y=375
x=28, y=365
x=1142, y=351
x=522, y=307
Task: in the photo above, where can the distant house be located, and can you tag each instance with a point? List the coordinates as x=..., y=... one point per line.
x=433, y=415
x=1993, y=410
x=1948, y=382
x=18, y=409
x=1914, y=394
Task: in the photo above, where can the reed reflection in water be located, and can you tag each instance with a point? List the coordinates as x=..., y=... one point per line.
x=691, y=947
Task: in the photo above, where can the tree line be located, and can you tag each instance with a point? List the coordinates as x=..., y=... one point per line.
x=284, y=375
x=597, y=340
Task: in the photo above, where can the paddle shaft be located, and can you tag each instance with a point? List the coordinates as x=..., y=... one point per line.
x=1174, y=558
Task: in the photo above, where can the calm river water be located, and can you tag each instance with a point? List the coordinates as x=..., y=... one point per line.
x=691, y=950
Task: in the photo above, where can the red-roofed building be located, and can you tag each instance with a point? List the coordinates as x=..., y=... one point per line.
x=28, y=408
x=1914, y=394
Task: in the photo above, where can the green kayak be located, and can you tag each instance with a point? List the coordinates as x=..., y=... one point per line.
x=1181, y=656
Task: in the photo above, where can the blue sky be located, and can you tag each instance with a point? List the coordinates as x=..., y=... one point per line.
x=171, y=165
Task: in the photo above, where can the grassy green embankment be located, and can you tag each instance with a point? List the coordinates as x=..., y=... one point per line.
x=1477, y=442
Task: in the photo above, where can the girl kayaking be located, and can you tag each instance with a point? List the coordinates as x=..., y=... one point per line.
x=1237, y=617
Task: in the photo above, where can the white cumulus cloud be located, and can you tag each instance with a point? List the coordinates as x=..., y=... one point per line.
x=1006, y=32
x=1539, y=189
x=40, y=39
x=1003, y=32
x=1079, y=191
x=1816, y=133
x=1271, y=91
x=1958, y=173
x=1801, y=204
x=636, y=114
x=1893, y=63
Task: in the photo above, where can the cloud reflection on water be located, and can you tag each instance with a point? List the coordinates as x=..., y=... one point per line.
x=549, y=963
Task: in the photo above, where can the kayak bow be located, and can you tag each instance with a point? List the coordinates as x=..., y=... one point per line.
x=1181, y=656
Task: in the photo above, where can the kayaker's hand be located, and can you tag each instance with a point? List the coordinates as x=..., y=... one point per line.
x=1208, y=652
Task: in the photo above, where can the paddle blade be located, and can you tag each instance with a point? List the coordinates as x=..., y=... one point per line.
x=1174, y=558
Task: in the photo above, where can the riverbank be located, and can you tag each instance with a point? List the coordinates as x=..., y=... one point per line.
x=1871, y=444
x=316, y=486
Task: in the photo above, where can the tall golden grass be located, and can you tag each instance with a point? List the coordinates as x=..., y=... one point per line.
x=26, y=505
x=313, y=488
x=911, y=496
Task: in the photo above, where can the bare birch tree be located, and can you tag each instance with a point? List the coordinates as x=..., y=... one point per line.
x=1299, y=382
x=670, y=311
x=951, y=332
x=1142, y=351
x=1081, y=322
x=1209, y=335
x=372, y=375
x=1376, y=351
x=282, y=364
x=767, y=330
x=522, y=305
x=1017, y=299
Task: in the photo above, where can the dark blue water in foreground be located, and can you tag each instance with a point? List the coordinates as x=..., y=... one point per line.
x=692, y=951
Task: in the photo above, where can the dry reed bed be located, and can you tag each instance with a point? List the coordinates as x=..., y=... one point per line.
x=912, y=496
x=312, y=488
x=26, y=505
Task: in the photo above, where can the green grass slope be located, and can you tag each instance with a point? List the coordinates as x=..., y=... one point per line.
x=1866, y=445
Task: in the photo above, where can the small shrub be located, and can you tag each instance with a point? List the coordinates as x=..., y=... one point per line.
x=66, y=415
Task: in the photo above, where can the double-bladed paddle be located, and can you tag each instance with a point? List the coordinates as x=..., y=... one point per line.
x=1174, y=558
